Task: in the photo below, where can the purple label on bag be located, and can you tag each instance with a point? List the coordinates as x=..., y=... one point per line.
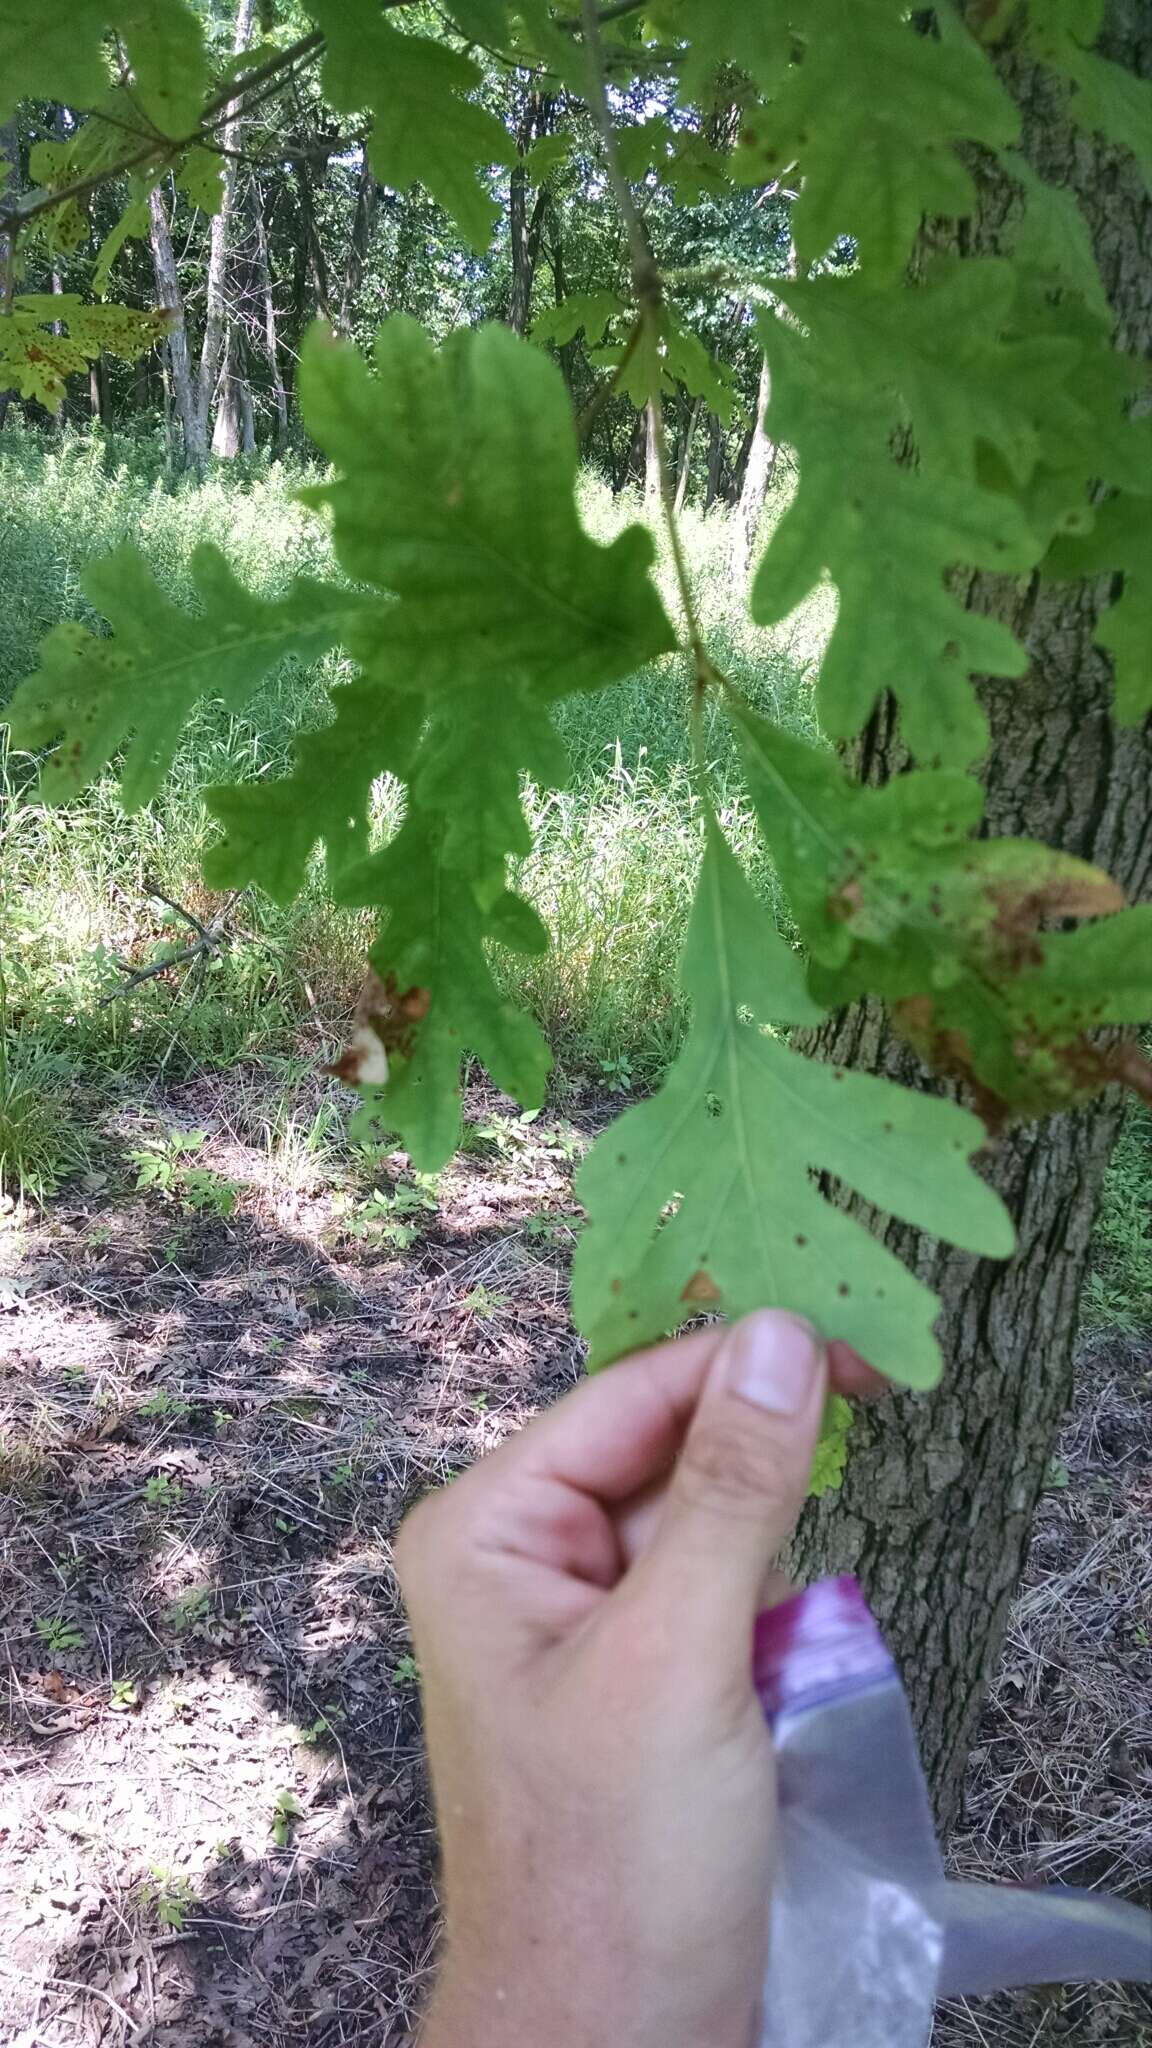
x=816, y=1644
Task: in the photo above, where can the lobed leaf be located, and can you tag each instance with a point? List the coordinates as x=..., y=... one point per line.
x=888, y=537
x=894, y=897
x=90, y=691
x=704, y=1196
x=1120, y=541
x=457, y=493
x=36, y=360
x=425, y=130
x=871, y=115
x=57, y=53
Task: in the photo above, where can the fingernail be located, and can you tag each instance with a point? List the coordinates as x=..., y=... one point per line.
x=771, y=1358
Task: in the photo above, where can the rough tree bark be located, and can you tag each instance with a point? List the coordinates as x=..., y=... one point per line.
x=939, y=1492
x=215, y=310
x=192, y=427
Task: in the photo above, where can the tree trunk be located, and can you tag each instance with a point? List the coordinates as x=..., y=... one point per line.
x=192, y=427
x=363, y=222
x=753, y=491
x=651, y=461
x=313, y=246
x=215, y=313
x=226, y=432
x=715, y=461
x=938, y=1496
x=684, y=462
x=271, y=337
x=98, y=395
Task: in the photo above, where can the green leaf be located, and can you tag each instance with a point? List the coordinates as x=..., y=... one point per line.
x=1120, y=541
x=1052, y=237
x=270, y=828
x=454, y=494
x=52, y=53
x=644, y=146
x=59, y=53
x=200, y=177
x=443, y=946
x=685, y=358
x=893, y=896
x=704, y=1196
x=947, y=358
x=131, y=226
x=871, y=115
x=1109, y=101
x=832, y=1449
x=90, y=692
x=425, y=131
x=592, y=311
x=720, y=33
x=37, y=362
x=165, y=45
x=546, y=155
x=457, y=493
x=888, y=537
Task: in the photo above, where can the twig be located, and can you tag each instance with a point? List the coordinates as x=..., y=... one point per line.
x=649, y=288
x=207, y=943
x=72, y=1984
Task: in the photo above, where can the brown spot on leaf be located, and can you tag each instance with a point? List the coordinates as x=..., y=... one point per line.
x=701, y=1289
x=385, y=1022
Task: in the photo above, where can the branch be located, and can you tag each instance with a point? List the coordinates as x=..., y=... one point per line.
x=162, y=150
x=649, y=288
x=206, y=944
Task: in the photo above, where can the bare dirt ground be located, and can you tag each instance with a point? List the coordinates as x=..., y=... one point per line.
x=213, y=1821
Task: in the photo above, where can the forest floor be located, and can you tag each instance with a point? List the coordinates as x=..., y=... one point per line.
x=218, y=1396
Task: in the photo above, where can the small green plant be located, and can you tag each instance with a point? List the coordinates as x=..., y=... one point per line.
x=58, y=1635
x=165, y=1407
x=124, y=1695
x=286, y=1812
x=484, y=1301
x=325, y=1724
x=406, y=1671
x=389, y=1215
x=169, y=1896
x=207, y=1193
x=163, y=1164
x=188, y=1609
x=618, y=1073
x=508, y=1136
x=548, y=1229
x=161, y=1492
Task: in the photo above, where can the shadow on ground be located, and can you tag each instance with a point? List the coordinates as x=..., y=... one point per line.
x=214, y=1827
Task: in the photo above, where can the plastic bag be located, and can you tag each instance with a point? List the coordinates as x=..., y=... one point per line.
x=866, y=1931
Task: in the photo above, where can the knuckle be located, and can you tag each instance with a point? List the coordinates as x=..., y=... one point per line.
x=722, y=1466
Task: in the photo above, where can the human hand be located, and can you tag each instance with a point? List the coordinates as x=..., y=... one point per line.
x=582, y=1604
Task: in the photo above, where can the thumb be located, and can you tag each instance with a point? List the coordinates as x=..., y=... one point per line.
x=739, y=1483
